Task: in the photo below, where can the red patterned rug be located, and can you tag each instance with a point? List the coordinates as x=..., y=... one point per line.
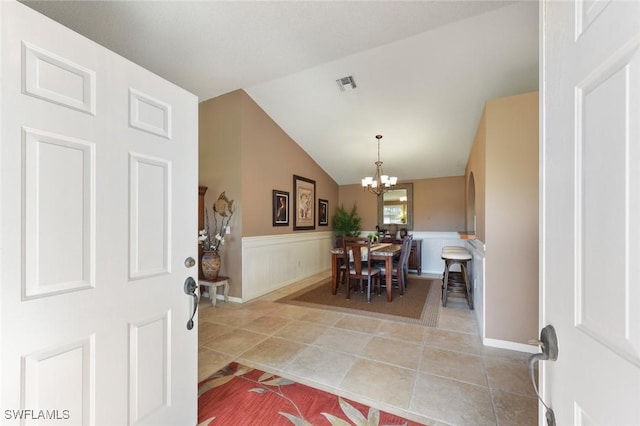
x=240, y=395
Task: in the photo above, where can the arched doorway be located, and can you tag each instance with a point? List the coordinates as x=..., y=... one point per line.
x=471, y=204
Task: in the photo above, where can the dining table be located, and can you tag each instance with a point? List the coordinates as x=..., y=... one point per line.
x=379, y=251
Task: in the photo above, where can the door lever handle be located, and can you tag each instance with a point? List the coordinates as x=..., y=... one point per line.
x=549, y=344
x=190, y=287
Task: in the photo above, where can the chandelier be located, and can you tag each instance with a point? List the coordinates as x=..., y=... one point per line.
x=379, y=183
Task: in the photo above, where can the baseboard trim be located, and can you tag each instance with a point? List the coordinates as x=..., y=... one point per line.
x=231, y=299
x=505, y=344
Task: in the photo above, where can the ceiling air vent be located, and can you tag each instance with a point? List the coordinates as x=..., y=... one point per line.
x=346, y=83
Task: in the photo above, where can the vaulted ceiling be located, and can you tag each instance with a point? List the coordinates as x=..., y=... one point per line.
x=423, y=69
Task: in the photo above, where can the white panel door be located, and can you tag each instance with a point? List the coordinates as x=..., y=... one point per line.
x=98, y=214
x=591, y=209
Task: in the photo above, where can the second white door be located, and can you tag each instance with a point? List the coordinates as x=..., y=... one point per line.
x=99, y=213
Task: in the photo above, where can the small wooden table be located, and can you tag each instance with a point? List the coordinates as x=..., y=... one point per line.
x=212, y=288
x=384, y=252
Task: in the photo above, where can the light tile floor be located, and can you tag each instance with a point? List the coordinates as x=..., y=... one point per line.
x=435, y=376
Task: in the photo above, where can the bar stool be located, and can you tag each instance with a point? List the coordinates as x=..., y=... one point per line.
x=454, y=249
x=452, y=281
x=457, y=249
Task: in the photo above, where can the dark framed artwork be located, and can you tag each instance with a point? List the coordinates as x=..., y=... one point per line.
x=280, y=208
x=323, y=212
x=304, y=203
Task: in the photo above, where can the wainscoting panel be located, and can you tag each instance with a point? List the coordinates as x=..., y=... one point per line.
x=275, y=261
x=478, y=281
x=432, y=243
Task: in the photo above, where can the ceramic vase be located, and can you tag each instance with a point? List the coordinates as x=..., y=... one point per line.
x=210, y=265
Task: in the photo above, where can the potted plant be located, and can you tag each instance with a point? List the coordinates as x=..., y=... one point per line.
x=346, y=223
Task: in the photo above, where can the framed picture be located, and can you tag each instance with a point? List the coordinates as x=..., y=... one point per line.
x=323, y=212
x=304, y=203
x=280, y=208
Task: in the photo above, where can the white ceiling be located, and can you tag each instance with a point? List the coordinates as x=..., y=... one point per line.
x=423, y=69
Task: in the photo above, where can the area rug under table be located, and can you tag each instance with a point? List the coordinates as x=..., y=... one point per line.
x=419, y=305
x=240, y=395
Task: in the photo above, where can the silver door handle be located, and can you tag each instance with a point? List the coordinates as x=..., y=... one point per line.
x=190, y=287
x=549, y=344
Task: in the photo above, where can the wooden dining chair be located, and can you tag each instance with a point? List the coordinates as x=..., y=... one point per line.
x=342, y=262
x=408, y=240
x=400, y=270
x=348, y=258
x=360, y=265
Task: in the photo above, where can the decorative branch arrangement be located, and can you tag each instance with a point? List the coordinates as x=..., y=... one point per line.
x=223, y=211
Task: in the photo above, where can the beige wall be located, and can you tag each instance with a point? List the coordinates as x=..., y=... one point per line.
x=220, y=160
x=438, y=204
x=270, y=158
x=507, y=208
x=245, y=153
x=476, y=165
x=353, y=194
